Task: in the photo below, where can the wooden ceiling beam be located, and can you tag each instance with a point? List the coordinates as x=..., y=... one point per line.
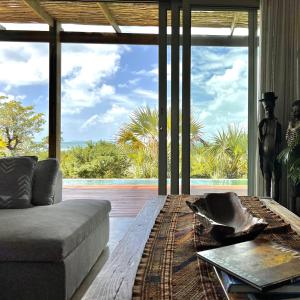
x=39, y=10
x=234, y=21
x=24, y=36
x=112, y=21
x=108, y=38
x=113, y=38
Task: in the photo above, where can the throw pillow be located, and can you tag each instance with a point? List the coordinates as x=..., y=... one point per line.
x=16, y=175
x=44, y=182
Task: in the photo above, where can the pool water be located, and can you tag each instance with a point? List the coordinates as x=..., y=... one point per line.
x=151, y=181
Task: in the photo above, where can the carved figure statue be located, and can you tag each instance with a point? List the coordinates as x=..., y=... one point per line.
x=293, y=141
x=269, y=141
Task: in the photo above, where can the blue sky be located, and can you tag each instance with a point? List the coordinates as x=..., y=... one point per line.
x=103, y=84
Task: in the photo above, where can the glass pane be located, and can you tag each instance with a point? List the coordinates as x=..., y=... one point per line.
x=110, y=124
x=24, y=101
x=219, y=93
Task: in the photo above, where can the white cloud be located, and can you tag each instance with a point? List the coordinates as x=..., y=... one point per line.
x=106, y=90
x=226, y=88
x=130, y=82
x=134, y=81
x=23, y=64
x=85, y=70
x=114, y=114
x=122, y=85
x=9, y=97
x=146, y=94
x=153, y=72
x=93, y=120
x=127, y=100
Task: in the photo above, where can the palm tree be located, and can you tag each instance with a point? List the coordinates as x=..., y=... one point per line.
x=139, y=138
x=229, y=148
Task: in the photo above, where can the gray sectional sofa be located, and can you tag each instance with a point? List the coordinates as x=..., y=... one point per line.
x=47, y=250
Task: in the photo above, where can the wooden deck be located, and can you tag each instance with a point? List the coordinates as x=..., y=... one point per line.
x=128, y=200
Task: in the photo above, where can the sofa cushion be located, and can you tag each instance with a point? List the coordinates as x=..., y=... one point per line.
x=58, y=188
x=16, y=175
x=44, y=181
x=48, y=233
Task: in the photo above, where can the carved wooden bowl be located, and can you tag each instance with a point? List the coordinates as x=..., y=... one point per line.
x=224, y=217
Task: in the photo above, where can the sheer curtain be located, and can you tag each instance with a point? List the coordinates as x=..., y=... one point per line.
x=279, y=66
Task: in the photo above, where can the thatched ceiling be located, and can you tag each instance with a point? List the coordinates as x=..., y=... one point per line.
x=97, y=13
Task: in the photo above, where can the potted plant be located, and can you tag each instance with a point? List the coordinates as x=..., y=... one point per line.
x=290, y=156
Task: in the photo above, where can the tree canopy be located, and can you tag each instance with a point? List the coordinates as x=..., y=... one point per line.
x=18, y=125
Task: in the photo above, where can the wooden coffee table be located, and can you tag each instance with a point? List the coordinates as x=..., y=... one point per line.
x=116, y=278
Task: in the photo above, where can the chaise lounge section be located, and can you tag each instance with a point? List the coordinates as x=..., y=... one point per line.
x=46, y=251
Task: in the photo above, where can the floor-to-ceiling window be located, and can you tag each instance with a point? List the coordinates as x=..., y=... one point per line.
x=109, y=144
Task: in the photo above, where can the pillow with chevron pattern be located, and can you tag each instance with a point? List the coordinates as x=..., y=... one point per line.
x=16, y=175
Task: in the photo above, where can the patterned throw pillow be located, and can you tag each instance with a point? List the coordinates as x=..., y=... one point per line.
x=16, y=175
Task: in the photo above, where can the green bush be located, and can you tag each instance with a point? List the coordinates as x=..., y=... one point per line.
x=95, y=160
x=226, y=156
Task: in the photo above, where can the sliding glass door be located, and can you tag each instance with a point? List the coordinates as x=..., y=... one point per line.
x=219, y=102
x=213, y=70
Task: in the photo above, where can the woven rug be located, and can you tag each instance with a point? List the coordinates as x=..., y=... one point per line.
x=169, y=268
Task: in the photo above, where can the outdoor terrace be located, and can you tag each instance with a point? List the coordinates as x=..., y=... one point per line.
x=128, y=200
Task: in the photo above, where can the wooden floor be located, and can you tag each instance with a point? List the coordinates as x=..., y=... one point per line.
x=128, y=200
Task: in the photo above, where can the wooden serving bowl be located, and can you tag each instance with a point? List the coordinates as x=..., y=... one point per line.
x=225, y=218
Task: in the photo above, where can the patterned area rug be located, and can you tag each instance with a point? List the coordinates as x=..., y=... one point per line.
x=169, y=268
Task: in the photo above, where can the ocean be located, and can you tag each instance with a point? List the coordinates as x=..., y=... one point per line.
x=68, y=145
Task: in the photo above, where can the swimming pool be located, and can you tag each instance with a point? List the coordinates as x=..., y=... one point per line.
x=150, y=181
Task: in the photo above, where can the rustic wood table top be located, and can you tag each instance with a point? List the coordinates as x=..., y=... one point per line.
x=115, y=280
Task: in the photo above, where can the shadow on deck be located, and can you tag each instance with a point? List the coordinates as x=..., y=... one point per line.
x=128, y=200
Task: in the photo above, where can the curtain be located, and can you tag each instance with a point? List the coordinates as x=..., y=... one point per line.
x=279, y=67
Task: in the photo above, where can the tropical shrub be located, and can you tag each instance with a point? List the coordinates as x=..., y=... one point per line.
x=202, y=162
x=139, y=140
x=95, y=160
x=224, y=157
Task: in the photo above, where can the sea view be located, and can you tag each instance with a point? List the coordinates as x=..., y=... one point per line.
x=68, y=145
x=151, y=182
